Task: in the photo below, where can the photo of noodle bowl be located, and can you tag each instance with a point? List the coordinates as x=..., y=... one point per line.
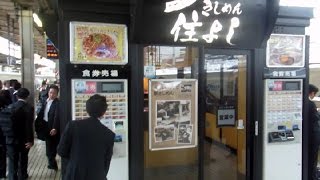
x=99, y=46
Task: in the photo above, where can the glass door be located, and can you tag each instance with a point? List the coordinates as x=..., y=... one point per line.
x=225, y=118
x=169, y=163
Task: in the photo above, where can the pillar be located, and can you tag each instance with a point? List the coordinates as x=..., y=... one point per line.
x=27, y=54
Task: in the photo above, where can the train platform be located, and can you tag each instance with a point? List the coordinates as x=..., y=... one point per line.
x=37, y=168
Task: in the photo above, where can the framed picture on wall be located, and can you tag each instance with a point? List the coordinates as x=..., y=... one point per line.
x=286, y=50
x=98, y=43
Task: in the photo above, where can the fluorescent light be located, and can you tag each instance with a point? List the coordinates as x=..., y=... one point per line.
x=37, y=20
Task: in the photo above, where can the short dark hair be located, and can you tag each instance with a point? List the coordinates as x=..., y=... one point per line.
x=12, y=82
x=44, y=82
x=313, y=88
x=16, y=86
x=55, y=87
x=23, y=93
x=96, y=105
x=6, y=97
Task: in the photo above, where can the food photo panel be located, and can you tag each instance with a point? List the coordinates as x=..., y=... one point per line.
x=98, y=43
x=284, y=50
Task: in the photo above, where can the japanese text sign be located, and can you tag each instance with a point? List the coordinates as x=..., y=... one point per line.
x=209, y=10
x=214, y=23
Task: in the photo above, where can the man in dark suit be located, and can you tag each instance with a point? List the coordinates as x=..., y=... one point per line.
x=88, y=144
x=14, y=86
x=5, y=100
x=315, y=132
x=19, y=144
x=49, y=113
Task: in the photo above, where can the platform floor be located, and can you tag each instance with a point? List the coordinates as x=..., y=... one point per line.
x=37, y=168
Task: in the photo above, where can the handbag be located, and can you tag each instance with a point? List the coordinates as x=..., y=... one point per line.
x=41, y=128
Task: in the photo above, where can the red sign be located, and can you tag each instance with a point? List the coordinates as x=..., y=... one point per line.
x=52, y=52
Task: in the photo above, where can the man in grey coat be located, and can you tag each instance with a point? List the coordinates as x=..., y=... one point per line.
x=87, y=144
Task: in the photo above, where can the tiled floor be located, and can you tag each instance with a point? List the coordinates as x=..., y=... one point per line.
x=37, y=168
x=219, y=164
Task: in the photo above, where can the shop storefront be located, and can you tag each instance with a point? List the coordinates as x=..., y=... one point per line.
x=188, y=84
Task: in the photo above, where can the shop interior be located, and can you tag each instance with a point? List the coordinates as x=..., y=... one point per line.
x=225, y=135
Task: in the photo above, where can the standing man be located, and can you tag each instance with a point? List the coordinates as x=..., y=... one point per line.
x=19, y=144
x=5, y=100
x=315, y=131
x=88, y=144
x=43, y=92
x=11, y=89
x=49, y=114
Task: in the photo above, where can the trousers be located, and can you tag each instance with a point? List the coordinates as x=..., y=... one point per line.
x=18, y=161
x=51, y=149
x=3, y=160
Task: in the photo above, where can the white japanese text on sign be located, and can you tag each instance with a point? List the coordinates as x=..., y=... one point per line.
x=100, y=73
x=209, y=8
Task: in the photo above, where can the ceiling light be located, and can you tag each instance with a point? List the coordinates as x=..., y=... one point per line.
x=37, y=20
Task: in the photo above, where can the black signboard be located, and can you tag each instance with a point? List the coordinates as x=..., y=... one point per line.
x=220, y=23
x=288, y=73
x=82, y=71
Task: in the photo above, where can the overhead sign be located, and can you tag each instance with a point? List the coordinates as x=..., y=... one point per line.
x=52, y=52
x=220, y=23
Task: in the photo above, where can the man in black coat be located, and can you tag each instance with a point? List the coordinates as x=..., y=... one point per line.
x=315, y=131
x=19, y=144
x=5, y=100
x=88, y=144
x=49, y=115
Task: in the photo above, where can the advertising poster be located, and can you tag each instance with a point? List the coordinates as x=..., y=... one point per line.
x=98, y=43
x=173, y=122
x=285, y=50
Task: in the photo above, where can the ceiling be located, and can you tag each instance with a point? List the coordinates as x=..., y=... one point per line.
x=9, y=21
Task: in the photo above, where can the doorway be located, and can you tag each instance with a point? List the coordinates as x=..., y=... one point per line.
x=225, y=116
x=222, y=151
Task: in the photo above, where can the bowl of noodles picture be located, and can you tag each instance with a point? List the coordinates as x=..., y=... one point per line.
x=99, y=46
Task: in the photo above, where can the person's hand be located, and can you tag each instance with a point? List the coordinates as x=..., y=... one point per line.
x=29, y=145
x=53, y=132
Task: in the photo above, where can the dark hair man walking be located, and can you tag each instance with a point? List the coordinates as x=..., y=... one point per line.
x=49, y=114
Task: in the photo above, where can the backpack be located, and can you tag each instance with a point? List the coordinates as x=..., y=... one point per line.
x=6, y=122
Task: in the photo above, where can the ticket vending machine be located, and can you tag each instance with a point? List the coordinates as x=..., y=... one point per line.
x=115, y=118
x=282, y=137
